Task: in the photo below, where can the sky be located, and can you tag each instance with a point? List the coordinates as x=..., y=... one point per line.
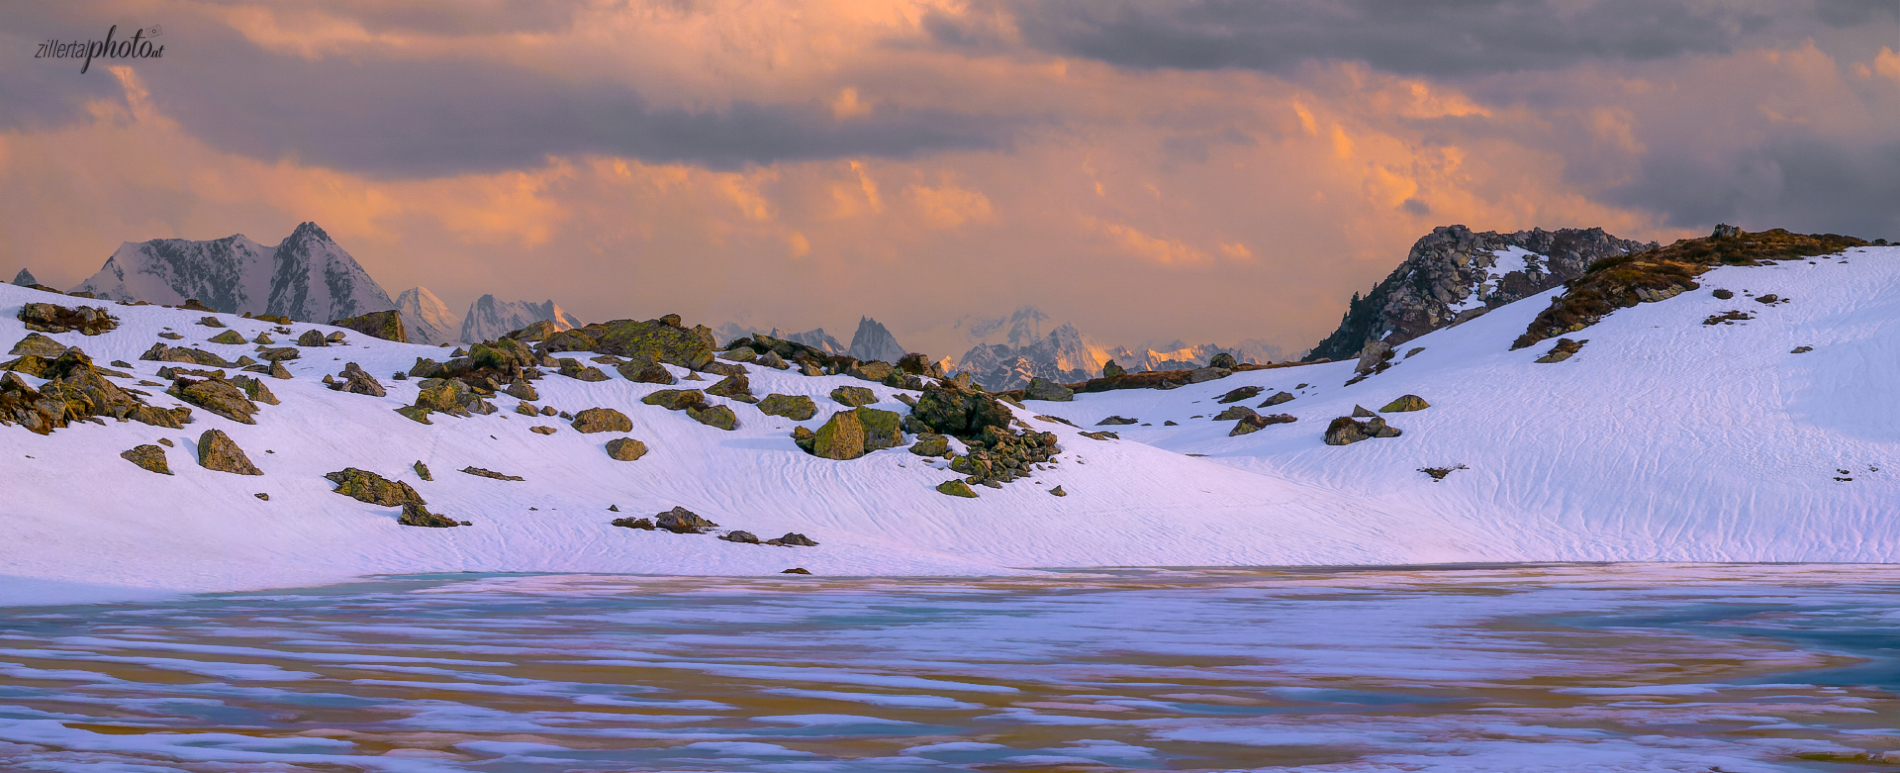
x=1208, y=171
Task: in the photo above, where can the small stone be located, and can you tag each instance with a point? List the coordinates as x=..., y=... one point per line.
x=1723, y=294
x=796, y=570
x=1802, y=350
x=741, y=536
x=212, y=322
x=644, y=524
x=1360, y=412
x=263, y=496
x=542, y=430
x=792, y=539
x=1276, y=399
x=1057, y=491
x=165, y=441
x=422, y=471
x=491, y=474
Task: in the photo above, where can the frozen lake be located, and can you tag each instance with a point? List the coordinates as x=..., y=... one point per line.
x=1519, y=668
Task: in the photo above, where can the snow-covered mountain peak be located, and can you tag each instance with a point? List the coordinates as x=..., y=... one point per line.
x=429, y=319
x=306, y=277
x=489, y=317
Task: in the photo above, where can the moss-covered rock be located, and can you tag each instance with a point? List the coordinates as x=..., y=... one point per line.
x=680, y=520
x=626, y=449
x=37, y=345
x=931, y=445
x=414, y=514
x=1406, y=403
x=568, y=341
x=714, y=416
x=794, y=407
x=1345, y=431
x=841, y=437
x=956, y=488
x=368, y=487
x=255, y=390
x=630, y=522
x=654, y=341
x=422, y=471
x=1234, y=412
x=881, y=429
x=871, y=371
x=575, y=369
x=217, y=396
x=646, y=372
x=675, y=399
x=217, y=451
x=853, y=396
x=386, y=325
x=312, y=337
x=148, y=456
x=1255, y=422
x=601, y=420
x=51, y=318
x=735, y=387
x=228, y=338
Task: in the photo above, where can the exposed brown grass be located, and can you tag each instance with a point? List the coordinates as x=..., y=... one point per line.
x=1653, y=275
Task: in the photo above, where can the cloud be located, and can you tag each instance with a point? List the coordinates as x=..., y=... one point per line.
x=1441, y=39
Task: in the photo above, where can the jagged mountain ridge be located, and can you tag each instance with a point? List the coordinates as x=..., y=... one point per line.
x=429, y=320
x=873, y=341
x=489, y=318
x=1065, y=355
x=816, y=338
x=24, y=279
x=306, y=277
x=1454, y=273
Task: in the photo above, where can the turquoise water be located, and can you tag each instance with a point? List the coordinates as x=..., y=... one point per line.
x=1482, y=668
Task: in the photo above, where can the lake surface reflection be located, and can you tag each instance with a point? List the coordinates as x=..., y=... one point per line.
x=1486, y=668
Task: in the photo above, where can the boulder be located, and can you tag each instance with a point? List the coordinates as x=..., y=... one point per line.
x=718, y=368
x=1058, y=492
x=1114, y=421
x=794, y=407
x=1276, y=399
x=919, y=364
x=1235, y=412
x=1406, y=403
x=626, y=449
x=1237, y=395
x=853, y=396
x=1112, y=370
x=386, y=325
x=1043, y=389
x=714, y=416
x=217, y=396
x=414, y=514
x=163, y=353
x=50, y=318
x=601, y=420
x=736, y=387
x=357, y=382
x=950, y=408
x=312, y=337
x=263, y=339
x=228, y=338
x=543, y=430
x=568, y=341
x=522, y=390
x=422, y=471
x=1223, y=360
x=871, y=371
x=368, y=487
x=1360, y=412
x=741, y=536
x=281, y=353
x=335, y=337
x=841, y=437
x=217, y=451
x=771, y=360
x=796, y=570
x=1345, y=431
x=931, y=445
x=680, y=520
x=793, y=539
x=881, y=429
x=956, y=488
x=38, y=345
x=148, y=456
x=646, y=373
x=676, y=399
x=573, y=369
x=255, y=390
x=742, y=353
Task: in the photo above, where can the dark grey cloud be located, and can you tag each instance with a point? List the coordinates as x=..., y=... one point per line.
x=385, y=116
x=1444, y=39
x=1803, y=184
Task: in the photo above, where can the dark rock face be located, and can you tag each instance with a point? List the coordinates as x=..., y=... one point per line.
x=1043, y=389
x=150, y=457
x=793, y=539
x=357, y=382
x=386, y=325
x=217, y=451
x=50, y=318
x=1345, y=431
x=853, y=396
x=680, y=520
x=794, y=407
x=626, y=449
x=602, y=420
x=368, y=487
x=414, y=514
x=1450, y=265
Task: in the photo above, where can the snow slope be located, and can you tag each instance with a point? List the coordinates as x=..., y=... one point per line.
x=1663, y=439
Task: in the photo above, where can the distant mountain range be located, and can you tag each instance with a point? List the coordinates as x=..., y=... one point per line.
x=1012, y=350
x=490, y=318
x=305, y=277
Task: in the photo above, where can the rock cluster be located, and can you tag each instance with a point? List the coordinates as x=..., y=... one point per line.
x=1345, y=431
x=999, y=456
x=357, y=382
x=447, y=396
x=51, y=318
x=955, y=408
x=75, y=391
x=1254, y=422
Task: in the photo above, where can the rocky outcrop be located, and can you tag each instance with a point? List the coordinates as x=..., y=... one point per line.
x=1454, y=272
x=662, y=340
x=874, y=342
x=601, y=420
x=51, y=318
x=949, y=409
x=1043, y=389
x=999, y=456
x=217, y=396
x=370, y=488
x=217, y=451
x=626, y=449
x=38, y=346
x=1253, y=422
x=74, y=391
x=148, y=456
x=386, y=325
x=794, y=407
